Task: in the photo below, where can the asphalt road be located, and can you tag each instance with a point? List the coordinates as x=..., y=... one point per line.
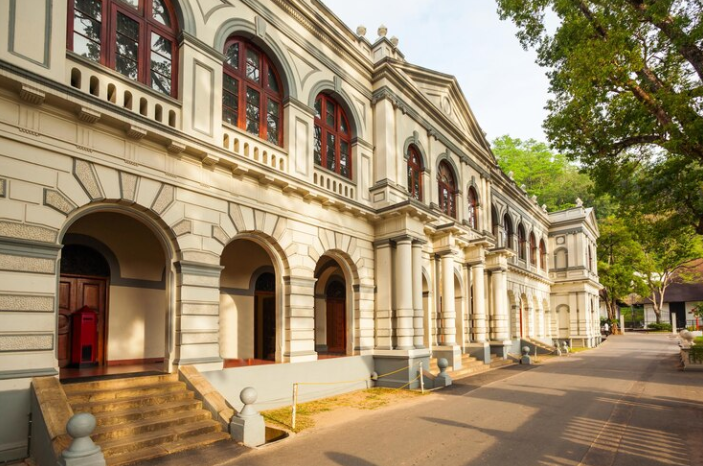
x=622, y=404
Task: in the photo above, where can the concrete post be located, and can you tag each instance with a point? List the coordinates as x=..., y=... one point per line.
x=448, y=330
x=247, y=426
x=404, y=311
x=500, y=318
x=82, y=451
x=419, y=312
x=384, y=327
x=479, y=304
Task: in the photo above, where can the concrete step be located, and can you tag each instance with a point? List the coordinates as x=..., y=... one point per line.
x=103, y=394
x=159, y=440
x=116, y=384
x=107, y=418
x=154, y=424
x=124, y=404
x=157, y=451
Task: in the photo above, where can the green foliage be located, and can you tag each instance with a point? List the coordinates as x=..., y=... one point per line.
x=619, y=257
x=659, y=326
x=626, y=76
x=550, y=176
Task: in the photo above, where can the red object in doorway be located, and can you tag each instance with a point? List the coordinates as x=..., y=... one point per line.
x=84, y=341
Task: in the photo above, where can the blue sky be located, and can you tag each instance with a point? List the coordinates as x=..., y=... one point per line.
x=506, y=90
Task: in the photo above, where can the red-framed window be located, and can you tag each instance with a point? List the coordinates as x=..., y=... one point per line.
x=447, y=189
x=473, y=208
x=542, y=255
x=521, y=241
x=415, y=170
x=533, y=249
x=332, y=148
x=252, y=95
x=136, y=38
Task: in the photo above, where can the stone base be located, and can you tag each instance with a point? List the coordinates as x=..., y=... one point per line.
x=451, y=353
x=406, y=362
x=480, y=351
x=501, y=348
x=250, y=430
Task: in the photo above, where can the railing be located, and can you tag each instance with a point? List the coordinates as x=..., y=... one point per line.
x=333, y=183
x=109, y=87
x=260, y=152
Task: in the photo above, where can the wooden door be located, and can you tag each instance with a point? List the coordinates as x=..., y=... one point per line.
x=336, y=325
x=74, y=293
x=265, y=327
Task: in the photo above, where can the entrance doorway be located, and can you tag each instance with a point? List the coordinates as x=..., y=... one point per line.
x=265, y=317
x=679, y=310
x=336, y=297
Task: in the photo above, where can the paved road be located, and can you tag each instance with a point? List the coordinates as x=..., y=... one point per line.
x=623, y=404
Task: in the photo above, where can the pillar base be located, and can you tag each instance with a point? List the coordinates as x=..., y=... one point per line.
x=480, y=351
x=407, y=362
x=501, y=348
x=249, y=430
x=451, y=353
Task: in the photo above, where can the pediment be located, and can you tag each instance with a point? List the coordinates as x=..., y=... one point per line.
x=444, y=93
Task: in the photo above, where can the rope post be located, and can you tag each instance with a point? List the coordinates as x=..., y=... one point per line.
x=295, y=405
x=422, y=379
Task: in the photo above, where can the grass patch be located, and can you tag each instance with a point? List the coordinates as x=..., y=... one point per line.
x=579, y=349
x=372, y=398
x=698, y=341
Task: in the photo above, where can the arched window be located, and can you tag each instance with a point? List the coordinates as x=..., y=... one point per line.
x=447, y=189
x=332, y=136
x=542, y=255
x=136, y=38
x=251, y=97
x=508, y=231
x=521, y=241
x=533, y=250
x=415, y=170
x=473, y=208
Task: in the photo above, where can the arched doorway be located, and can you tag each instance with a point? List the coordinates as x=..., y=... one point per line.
x=336, y=297
x=116, y=266
x=249, y=303
x=332, y=323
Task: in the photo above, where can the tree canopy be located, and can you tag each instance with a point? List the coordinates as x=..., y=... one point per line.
x=626, y=76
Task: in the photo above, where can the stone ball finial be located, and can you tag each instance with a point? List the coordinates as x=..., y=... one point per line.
x=442, y=363
x=361, y=30
x=395, y=41
x=248, y=396
x=79, y=427
x=382, y=31
x=525, y=350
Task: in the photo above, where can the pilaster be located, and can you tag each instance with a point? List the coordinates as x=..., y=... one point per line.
x=298, y=324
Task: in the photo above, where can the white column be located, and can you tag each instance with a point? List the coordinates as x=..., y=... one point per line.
x=419, y=312
x=404, y=312
x=479, y=304
x=448, y=331
x=500, y=317
x=383, y=295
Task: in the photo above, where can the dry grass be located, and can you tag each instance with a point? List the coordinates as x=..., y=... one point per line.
x=372, y=398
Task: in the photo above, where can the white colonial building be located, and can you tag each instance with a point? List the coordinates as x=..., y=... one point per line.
x=228, y=182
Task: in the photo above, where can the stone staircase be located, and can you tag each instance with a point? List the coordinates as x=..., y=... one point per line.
x=470, y=366
x=542, y=348
x=145, y=417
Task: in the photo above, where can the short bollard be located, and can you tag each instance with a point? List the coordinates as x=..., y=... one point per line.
x=525, y=359
x=247, y=426
x=82, y=451
x=443, y=379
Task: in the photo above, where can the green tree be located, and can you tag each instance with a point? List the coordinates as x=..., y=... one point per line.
x=667, y=247
x=626, y=76
x=619, y=259
x=550, y=176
